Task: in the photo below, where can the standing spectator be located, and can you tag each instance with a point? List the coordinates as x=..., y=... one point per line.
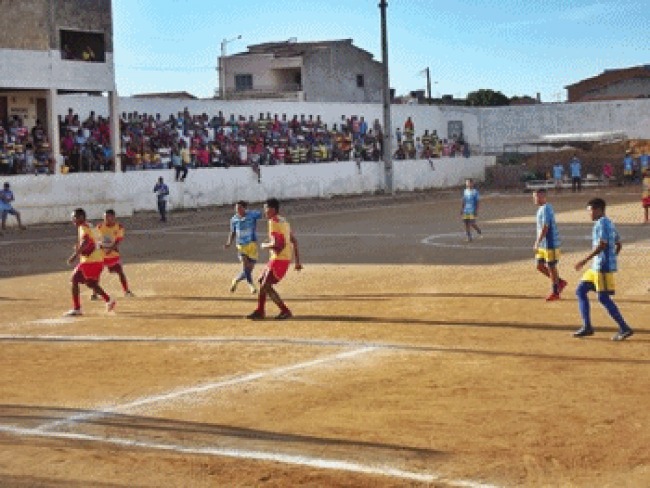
x=608, y=173
x=600, y=278
x=644, y=159
x=162, y=192
x=645, y=198
x=558, y=174
x=628, y=168
x=6, y=197
x=575, y=167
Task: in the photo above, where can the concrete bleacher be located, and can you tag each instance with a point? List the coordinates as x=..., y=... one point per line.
x=590, y=181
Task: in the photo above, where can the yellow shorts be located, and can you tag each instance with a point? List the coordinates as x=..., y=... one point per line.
x=469, y=216
x=549, y=256
x=601, y=281
x=249, y=250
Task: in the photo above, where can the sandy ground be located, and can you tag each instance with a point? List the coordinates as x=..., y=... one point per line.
x=414, y=358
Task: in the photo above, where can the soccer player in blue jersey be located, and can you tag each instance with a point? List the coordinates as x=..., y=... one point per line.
x=547, y=244
x=243, y=227
x=469, y=208
x=600, y=278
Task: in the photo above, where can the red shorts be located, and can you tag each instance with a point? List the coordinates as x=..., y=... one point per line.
x=114, y=265
x=645, y=202
x=275, y=270
x=87, y=272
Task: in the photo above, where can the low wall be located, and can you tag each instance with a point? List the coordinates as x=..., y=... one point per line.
x=47, y=199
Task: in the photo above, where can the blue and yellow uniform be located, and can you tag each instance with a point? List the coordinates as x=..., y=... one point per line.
x=470, y=203
x=549, y=247
x=604, y=265
x=245, y=229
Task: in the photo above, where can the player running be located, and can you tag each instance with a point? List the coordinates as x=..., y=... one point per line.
x=243, y=227
x=600, y=278
x=547, y=244
x=469, y=208
x=283, y=246
x=112, y=235
x=91, y=263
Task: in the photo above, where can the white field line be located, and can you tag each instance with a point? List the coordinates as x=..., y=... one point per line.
x=297, y=460
x=193, y=390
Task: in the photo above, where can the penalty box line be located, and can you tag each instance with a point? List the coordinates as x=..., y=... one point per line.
x=193, y=390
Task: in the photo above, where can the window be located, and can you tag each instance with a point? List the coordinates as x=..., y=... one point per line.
x=83, y=46
x=360, y=82
x=243, y=82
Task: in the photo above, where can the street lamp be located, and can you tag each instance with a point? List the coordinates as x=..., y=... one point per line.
x=222, y=68
x=387, y=146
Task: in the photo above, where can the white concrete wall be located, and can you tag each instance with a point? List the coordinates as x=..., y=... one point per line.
x=45, y=69
x=43, y=199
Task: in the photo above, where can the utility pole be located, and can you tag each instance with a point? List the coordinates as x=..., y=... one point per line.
x=222, y=65
x=387, y=156
x=428, y=85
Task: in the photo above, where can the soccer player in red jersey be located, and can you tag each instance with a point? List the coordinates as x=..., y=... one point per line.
x=112, y=235
x=283, y=246
x=91, y=263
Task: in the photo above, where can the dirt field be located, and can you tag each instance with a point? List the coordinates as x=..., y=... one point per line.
x=414, y=358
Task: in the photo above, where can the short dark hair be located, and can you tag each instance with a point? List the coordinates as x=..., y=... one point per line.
x=79, y=213
x=243, y=203
x=110, y=211
x=597, y=203
x=540, y=190
x=273, y=203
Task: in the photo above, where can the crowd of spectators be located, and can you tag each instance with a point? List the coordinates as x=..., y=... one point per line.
x=186, y=140
x=23, y=150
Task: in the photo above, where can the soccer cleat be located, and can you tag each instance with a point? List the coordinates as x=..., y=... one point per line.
x=74, y=312
x=583, y=332
x=552, y=297
x=284, y=315
x=129, y=293
x=110, y=305
x=233, y=286
x=561, y=286
x=621, y=336
x=94, y=297
x=252, y=289
x=255, y=315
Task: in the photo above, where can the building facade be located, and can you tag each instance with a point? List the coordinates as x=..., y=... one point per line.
x=51, y=47
x=614, y=84
x=328, y=71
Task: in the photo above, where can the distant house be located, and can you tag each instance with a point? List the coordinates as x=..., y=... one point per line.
x=180, y=95
x=613, y=84
x=327, y=71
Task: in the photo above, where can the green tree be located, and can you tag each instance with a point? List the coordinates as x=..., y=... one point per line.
x=486, y=98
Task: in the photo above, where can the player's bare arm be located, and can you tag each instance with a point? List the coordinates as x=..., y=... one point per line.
x=602, y=245
x=228, y=243
x=540, y=237
x=296, y=252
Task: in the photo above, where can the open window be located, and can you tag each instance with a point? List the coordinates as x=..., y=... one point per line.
x=83, y=46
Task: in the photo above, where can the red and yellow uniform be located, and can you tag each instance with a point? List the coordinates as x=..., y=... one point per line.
x=282, y=252
x=111, y=235
x=91, y=257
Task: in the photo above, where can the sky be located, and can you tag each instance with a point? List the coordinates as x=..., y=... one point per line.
x=517, y=47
